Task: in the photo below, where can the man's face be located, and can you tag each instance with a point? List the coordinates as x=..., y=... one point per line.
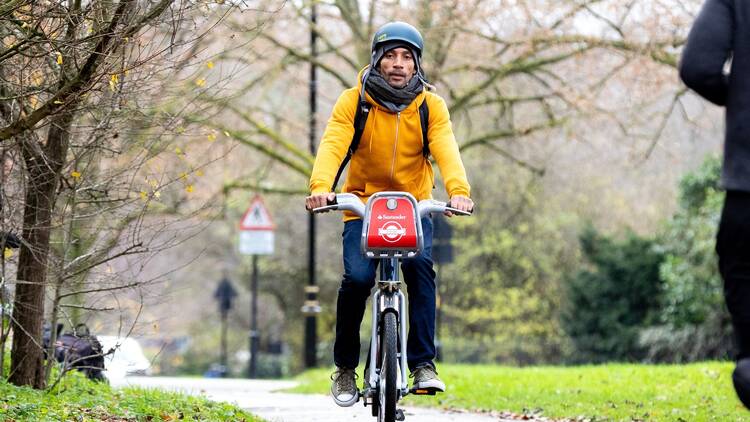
x=397, y=67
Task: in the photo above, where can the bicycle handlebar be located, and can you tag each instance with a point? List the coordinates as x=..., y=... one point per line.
x=351, y=202
x=427, y=206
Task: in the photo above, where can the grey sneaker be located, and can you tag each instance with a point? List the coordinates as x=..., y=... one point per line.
x=344, y=387
x=425, y=377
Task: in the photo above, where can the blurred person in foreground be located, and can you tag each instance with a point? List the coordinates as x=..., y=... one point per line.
x=716, y=64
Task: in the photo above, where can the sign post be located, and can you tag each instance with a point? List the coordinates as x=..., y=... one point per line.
x=256, y=238
x=442, y=253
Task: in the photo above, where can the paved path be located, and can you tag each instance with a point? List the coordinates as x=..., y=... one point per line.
x=258, y=397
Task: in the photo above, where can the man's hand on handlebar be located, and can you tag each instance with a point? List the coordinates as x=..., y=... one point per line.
x=460, y=202
x=319, y=200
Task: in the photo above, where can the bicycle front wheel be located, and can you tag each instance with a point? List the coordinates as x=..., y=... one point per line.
x=388, y=394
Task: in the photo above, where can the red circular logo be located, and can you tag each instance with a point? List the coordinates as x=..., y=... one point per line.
x=391, y=232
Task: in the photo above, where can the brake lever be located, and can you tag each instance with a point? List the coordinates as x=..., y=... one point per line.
x=457, y=211
x=332, y=205
x=324, y=209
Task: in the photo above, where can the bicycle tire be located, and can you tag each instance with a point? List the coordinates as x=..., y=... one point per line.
x=388, y=388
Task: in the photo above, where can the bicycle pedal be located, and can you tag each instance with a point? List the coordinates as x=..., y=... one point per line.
x=400, y=415
x=423, y=391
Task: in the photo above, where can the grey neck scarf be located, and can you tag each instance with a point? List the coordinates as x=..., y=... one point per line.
x=394, y=99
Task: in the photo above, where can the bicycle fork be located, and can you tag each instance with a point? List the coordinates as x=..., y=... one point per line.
x=388, y=298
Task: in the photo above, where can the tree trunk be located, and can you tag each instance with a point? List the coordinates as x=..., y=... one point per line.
x=43, y=169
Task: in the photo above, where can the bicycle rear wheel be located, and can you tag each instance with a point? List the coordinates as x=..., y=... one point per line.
x=388, y=388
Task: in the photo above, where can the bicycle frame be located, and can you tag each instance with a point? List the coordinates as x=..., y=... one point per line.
x=388, y=298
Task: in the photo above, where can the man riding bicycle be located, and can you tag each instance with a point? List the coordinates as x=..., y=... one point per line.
x=392, y=94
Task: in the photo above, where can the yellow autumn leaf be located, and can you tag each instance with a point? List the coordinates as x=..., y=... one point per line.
x=144, y=195
x=210, y=64
x=59, y=58
x=157, y=194
x=211, y=137
x=227, y=134
x=154, y=184
x=189, y=189
x=200, y=82
x=76, y=174
x=113, y=81
x=33, y=101
x=7, y=253
x=199, y=173
x=183, y=176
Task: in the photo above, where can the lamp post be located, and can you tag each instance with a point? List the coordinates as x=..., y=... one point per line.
x=224, y=294
x=312, y=307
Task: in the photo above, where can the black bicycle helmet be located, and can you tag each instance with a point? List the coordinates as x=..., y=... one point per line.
x=398, y=31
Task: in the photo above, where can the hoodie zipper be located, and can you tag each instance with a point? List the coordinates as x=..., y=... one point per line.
x=395, y=144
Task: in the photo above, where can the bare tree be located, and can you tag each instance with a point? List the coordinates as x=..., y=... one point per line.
x=80, y=82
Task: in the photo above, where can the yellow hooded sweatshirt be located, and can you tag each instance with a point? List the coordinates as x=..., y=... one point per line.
x=389, y=156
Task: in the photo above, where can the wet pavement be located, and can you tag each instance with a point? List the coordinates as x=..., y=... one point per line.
x=261, y=398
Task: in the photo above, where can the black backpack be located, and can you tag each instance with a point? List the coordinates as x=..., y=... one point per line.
x=360, y=119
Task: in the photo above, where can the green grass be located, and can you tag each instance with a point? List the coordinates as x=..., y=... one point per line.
x=78, y=399
x=621, y=392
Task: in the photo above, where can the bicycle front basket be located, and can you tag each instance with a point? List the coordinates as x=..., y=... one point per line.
x=391, y=226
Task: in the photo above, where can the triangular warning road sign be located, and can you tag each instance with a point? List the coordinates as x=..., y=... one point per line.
x=257, y=216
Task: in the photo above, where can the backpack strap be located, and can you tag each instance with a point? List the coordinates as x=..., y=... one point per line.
x=424, y=120
x=360, y=119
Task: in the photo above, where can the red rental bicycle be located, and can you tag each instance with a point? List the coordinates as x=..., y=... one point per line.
x=392, y=231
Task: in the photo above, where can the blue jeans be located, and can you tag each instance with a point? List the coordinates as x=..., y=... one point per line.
x=359, y=279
